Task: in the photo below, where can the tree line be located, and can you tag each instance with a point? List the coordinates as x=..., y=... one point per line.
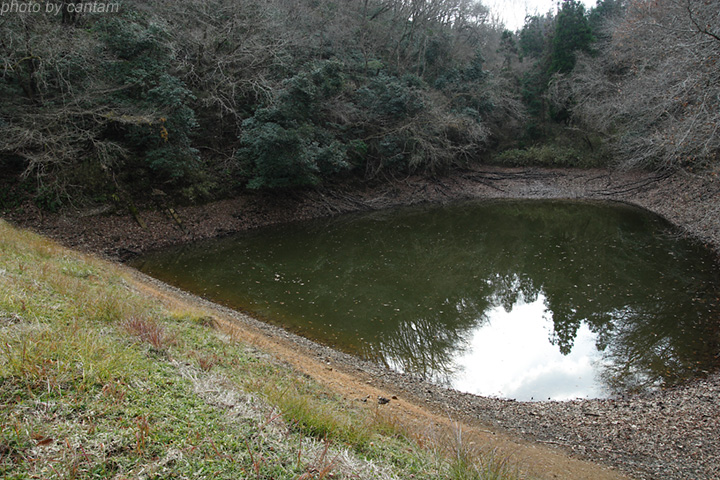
x=206, y=98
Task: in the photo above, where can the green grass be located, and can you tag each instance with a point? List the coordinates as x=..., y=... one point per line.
x=99, y=378
x=551, y=156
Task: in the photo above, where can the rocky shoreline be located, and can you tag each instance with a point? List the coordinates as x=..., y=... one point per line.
x=670, y=434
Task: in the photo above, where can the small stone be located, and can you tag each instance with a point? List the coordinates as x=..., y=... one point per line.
x=383, y=400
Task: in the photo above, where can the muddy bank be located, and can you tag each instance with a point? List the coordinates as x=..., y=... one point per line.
x=670, y=434
x=689, y=202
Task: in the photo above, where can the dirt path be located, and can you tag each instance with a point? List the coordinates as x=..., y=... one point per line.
x=670, y=434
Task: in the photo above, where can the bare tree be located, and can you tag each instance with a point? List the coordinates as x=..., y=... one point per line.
x=654, y=91
x=54, y=114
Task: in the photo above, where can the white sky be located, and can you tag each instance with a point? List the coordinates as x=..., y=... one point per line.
x=512, y=12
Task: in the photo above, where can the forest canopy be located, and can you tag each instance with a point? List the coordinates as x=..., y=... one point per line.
x=204, y=98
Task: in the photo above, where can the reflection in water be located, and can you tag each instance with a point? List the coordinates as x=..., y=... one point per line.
x=530, y=366
x=517, y=299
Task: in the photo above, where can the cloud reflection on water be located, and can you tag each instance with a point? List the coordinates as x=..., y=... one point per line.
x=511, y=356
x=496, y=298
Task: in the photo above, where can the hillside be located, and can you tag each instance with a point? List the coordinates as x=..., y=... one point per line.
x=202, y=100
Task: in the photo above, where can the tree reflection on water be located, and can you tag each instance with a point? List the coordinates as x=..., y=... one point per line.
x=410, y=288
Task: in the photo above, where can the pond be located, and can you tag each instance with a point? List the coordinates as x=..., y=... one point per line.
x=530, y=300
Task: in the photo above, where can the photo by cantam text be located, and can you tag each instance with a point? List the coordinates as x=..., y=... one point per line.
x=53, y=8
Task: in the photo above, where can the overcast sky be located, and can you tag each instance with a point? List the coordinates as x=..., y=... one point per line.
x=512, y=12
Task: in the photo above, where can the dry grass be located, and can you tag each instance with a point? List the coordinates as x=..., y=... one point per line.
x=148, y=330
x=206, y=361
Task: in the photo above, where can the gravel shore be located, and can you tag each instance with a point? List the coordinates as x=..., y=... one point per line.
x=669, y=434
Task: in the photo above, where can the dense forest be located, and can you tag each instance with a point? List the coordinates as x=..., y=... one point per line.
x=202, y=99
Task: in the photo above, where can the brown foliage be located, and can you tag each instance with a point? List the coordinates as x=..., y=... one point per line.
x=654, y=89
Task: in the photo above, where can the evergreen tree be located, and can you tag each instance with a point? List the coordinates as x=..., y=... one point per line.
x=534, y=36
x=572, y=34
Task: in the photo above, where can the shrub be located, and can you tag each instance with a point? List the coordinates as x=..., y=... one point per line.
x=156, y=119
x=390, y=98
x=547, y=156
x=288, y=143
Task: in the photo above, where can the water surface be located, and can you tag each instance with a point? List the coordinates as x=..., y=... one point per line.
x=517, y=299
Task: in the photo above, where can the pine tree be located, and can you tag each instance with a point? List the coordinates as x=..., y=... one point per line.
x=572, y=34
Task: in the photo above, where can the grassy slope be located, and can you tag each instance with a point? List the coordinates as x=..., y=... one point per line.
x=99, y=379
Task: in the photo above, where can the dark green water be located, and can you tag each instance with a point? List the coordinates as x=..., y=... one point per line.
x=519, y=299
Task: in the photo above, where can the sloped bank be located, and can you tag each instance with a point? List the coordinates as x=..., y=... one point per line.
x=668, y=434
x=690, y=202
